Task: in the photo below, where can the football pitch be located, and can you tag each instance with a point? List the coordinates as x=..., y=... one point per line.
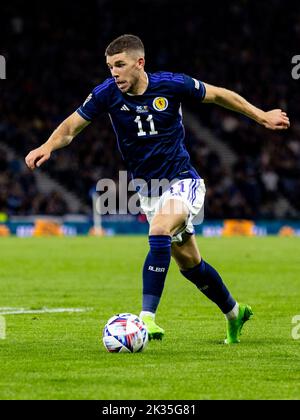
x=61, y=355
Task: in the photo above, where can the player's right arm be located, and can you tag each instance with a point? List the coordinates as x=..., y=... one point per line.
x=61, y=137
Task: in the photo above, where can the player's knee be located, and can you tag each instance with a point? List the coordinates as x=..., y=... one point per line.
x=159, y=229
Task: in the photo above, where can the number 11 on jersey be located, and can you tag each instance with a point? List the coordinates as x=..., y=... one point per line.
x=141, y=132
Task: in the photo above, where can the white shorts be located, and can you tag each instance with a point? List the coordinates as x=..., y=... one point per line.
x=189, y=191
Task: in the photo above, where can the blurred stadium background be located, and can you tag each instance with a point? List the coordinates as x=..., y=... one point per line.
x=55, y=55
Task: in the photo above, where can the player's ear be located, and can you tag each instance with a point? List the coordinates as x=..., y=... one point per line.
x=141, y=62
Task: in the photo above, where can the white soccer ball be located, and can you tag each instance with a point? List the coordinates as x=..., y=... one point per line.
x=125, y=333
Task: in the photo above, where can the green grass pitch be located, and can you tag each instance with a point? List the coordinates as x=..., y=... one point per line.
x=61, y=356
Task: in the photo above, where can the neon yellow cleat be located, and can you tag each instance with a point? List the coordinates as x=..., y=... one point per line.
x=154, y=331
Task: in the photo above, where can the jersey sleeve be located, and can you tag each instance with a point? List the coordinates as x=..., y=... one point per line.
x=192, y=88
x=94, y=105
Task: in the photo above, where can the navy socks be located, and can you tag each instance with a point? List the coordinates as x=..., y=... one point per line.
x=204, y=276
x=155, y=270
x=209, y=282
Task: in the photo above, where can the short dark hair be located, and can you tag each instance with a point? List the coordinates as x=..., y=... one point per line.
x=125, y=43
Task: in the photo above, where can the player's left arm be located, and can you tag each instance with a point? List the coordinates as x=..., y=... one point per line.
x=275, y=119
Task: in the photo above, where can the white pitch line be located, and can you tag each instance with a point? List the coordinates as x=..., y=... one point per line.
x=9, y=308
x=2, y=328
x=21, y=311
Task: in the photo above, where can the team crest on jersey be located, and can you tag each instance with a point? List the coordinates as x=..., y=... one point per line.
x=160, y=103
x=87, y=99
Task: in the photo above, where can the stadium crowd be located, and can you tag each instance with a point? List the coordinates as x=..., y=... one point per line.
x=19, y=194
x=55, y=58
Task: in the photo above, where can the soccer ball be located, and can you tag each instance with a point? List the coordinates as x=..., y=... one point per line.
x=125, y=333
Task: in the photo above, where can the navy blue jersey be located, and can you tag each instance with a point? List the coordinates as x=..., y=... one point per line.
x=149, y=127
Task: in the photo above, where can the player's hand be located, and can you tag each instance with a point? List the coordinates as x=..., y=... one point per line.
x=37, y=157
x=276, y=120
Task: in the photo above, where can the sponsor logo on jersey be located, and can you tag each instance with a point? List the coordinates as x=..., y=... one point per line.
x=140, y=109
x=160, y=103
x=87, y=99
x=124, y=108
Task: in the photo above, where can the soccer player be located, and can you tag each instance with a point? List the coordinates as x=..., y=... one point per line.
x=145, y=111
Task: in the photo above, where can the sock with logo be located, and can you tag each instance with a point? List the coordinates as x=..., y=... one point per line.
x=209, y=282
x=155, y=270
